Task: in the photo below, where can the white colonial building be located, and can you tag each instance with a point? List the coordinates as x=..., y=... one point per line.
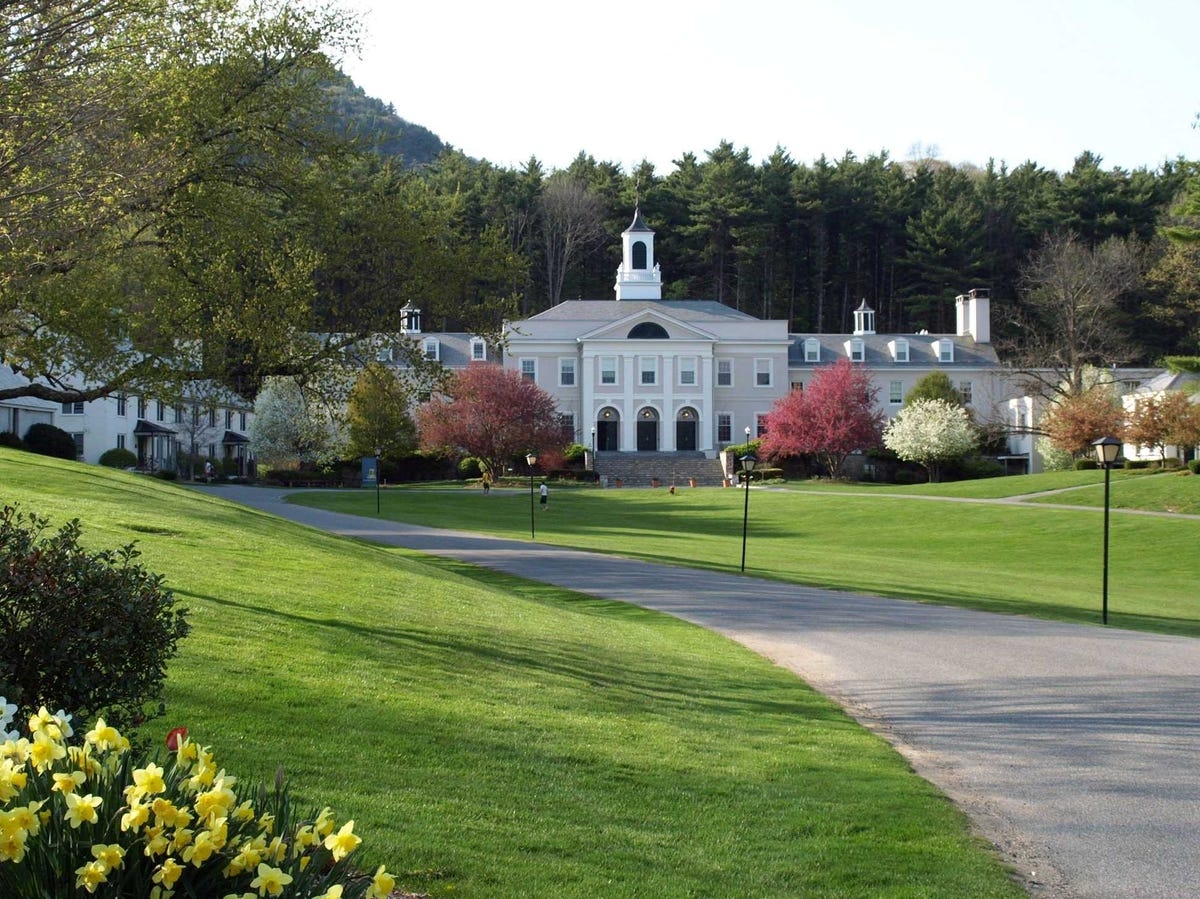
x=640, y=373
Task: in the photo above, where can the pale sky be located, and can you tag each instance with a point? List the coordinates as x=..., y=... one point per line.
x=653, y=79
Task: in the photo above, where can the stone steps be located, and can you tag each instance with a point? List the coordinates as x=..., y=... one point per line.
x=642, y=469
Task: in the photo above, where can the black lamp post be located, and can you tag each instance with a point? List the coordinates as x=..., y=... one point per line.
x=531, y=459
x=748, y=462
x=593, y=447
x=378, y=471
x=1107, y=450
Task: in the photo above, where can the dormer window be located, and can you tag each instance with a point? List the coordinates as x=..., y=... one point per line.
x=478, y=349
x=899, y=350
x=856, y=350
x=812, y=350
x=945, y=350
x=431, y=349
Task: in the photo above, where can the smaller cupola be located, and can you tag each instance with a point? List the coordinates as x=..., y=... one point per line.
x=864, y=319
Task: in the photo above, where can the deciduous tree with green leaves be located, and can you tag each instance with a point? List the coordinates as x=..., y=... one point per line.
x=378, y=414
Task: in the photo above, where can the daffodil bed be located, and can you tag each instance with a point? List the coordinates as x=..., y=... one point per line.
x=92, y=817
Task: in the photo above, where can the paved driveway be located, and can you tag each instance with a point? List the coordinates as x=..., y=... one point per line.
x=1076, y=750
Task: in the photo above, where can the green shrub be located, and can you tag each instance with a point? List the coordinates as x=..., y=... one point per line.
x=1194, y=465
x=908, y=476
x=1172, y=463
x=11, y=440
x=89, y=632
x=574, y=452
x=1086, y=464
x=1137, y=464
x=167, y=474
x=47, y=440
x=118, y=457
x=469, y=468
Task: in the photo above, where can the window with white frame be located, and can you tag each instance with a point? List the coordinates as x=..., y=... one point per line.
x=945, y=351
x=964, y=390
x=478, y=349
x=797, y=385
x=160, y=410
x=760, y=424
x=431, y=348
x=122, y=405
x=178, y=414
x=762, y=372
x=529, y=369
x=687, y=371
x=228, y=419
x=566, y=372
x=383, y=354
x=78, y=438
x=120, y=441
x=856, y=350
x=566, y=427
x=212, y=417
x=241, y=421
x=608, y=370
x=900, y=350
x=648, y=368
x=141, y=407
x=724, y=427
x=75, y=408
x=812, y=349
x=895, y=392
x=724, y=372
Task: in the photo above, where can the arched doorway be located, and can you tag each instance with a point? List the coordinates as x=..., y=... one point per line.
x=647, y=430
x=608, y=430
x=686, y=422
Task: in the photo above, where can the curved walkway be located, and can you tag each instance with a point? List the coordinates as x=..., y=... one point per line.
x=1075, y=750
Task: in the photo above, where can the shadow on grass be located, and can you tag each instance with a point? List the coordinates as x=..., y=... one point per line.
x=612, y=676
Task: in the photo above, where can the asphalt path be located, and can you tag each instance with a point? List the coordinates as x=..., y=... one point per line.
x=1075, y=750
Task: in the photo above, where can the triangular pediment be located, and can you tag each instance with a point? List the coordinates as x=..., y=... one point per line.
x=620, y=328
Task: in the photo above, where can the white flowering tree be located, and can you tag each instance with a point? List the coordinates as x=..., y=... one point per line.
x=930, y=432
x=290, y=428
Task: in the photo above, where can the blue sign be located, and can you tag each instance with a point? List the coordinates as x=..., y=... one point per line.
x=370, y=472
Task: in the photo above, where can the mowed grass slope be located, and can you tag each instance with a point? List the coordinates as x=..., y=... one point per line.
x=495, y=738
x=939, y=545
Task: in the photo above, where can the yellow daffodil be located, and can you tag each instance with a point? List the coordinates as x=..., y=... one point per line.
x=45, y=751
x=343, y=842
x=82, y=809
x=135, y=817
x=66, y=783
x=12, y=779
x=110, y=855
x=103, y=736
x=91, y=875
x=270, y=881
x=168, y=872
x=334, y=892
x=146, y=781
x=382, y=884
x=324, y=823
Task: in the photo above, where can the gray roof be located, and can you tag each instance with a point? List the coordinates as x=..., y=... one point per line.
x=601, y=311
x=877, y=353
x=1171, y=380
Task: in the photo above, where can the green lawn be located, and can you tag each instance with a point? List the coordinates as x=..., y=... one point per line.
x=1012, y=557
x=497, y=738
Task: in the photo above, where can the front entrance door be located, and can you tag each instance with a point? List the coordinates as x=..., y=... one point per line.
x=647, y=435
x=608, y=436
x=685, y=434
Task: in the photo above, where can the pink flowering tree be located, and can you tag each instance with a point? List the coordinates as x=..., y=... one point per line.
x=490, y=413
x=833, y=416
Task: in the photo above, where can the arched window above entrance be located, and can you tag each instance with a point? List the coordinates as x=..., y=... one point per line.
x=648, y=331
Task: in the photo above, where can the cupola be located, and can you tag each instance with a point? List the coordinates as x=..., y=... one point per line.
x=638, y=278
